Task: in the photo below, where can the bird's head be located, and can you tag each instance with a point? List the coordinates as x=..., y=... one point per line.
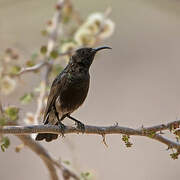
x=84, y=56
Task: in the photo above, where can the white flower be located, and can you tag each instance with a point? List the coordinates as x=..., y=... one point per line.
x=94, y=22
x=96, y=18
x=29, y=119
x=69, y=46
x=7, y=85
x=84, y=37
x=92, y=27
x=108, y=29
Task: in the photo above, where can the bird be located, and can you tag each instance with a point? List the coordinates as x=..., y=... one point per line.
x=68, y=91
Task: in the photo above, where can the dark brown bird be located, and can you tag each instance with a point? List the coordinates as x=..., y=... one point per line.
x=69, y=90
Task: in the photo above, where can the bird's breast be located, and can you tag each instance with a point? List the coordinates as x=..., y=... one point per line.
x=74, y=92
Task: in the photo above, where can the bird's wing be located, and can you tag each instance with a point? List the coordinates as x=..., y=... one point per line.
x=57, y=84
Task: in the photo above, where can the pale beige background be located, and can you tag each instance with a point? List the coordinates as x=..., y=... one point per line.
x=137, y=83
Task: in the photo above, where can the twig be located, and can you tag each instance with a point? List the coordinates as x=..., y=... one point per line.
x=40, y=102
x=45, y=156
x=50, y=46
x=104, y=140
x=150, y=132
x=55, y=27
x=53, y=35
x=40, y=65
x=66, y=171
x=33, y=68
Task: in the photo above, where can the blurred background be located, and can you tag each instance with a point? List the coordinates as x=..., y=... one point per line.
x=135, y=84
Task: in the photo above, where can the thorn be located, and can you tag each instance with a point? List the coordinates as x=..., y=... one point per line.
x=116, y=124
x=104, y=140
x=19, y=148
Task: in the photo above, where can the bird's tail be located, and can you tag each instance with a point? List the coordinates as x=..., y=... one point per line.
x=47, y=136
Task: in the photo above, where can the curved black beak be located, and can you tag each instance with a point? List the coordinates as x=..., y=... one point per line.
x=100, y=48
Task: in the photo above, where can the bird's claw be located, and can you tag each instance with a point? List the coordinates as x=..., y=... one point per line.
x=62, y=127
x=80, y=126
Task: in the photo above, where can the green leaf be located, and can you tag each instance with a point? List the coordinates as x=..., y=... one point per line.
x=44, y=32
x=2, y=121
x=30, y=63
x=151, y=134
x=174, y=156
x=126, y=138
x=26, y=98
x=12, y=113
x=86, y=175
x=66, y=162
x=66, y=19
x=177, y=133
x=128, y=144
x=54, y=54
x=43, y=49
x=5, y=143
x=63, y=41
x=2, y=148
x=15, y=69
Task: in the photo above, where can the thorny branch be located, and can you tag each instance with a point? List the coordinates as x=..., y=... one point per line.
x=46, y=157
x=151, y=132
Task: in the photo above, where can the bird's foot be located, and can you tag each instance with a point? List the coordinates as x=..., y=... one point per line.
x=62, y=127
x=80, y=125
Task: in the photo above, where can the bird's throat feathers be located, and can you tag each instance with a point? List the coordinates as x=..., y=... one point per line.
x=80, y=65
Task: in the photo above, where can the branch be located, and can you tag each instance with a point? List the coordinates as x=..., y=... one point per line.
x=32, y=69
x=53, y=36
x=49, y=162
x=42, y=153
x=151, y=132
x=43, y=85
